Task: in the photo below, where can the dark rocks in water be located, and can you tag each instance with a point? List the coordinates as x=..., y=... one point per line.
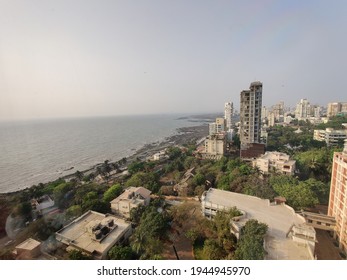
x=70, y=168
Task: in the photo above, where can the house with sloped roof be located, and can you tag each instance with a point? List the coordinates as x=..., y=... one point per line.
x=131, y=198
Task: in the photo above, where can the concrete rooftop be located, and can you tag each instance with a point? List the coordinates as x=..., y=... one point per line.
x=28, y=244
x=77, y=234
x=279, y=218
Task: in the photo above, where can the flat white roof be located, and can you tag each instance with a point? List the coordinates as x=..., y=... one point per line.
x=77, y=234
x=28, y=244
x=279, y=218
x=274, y=155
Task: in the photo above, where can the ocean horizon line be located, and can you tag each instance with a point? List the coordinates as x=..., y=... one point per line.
x=47, y=119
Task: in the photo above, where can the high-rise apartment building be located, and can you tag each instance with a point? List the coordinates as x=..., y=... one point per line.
x=278, y=110
x=338, y=197
x=217, y=127
x=220, y=125
x=317, y=111
x=264, y=113
x=250, y=121
x=228, y=114
x=250, y=114
x=303, y=110
x=336, y=108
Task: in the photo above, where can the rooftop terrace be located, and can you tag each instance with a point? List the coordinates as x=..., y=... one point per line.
x=279, y=218
x=94, y=233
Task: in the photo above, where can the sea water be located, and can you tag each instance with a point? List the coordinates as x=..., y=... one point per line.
x=38, y=151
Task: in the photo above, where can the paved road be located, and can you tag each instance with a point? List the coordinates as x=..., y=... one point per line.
x=325, y=248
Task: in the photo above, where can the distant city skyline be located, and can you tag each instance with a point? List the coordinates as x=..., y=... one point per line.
x=86, y=58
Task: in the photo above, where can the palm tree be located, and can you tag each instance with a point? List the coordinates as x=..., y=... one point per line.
x=138, y=242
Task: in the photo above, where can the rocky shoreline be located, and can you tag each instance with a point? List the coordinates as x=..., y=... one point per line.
x=184, y=135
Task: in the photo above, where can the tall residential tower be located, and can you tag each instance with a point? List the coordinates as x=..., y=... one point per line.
x=250, y=113
x=338, y=196
x=228, y=114
x=303, y=110
x=250, y=120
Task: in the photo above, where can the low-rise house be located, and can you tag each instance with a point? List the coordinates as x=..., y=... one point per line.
x=298, y=131
x=131, y=198
x=99, y=179
x=181, y=187
x=28, y=250
x=288, y=236
x=275, y=161
x=159, y=156
x=43, y=205
x=94, y=233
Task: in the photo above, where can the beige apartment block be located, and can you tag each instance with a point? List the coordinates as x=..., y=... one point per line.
x=338, y=196
x=131, y=198
x=94, y=233
x=215, y=146
x=275, y=161
x=287, y=238
x=303, y=110
x=219, y=126
x=332, y=137
x=336, y=108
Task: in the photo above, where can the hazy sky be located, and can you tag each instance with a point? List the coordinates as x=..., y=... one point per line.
x=85, y=58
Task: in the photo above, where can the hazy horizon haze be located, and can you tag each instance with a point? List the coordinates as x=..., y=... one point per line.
x=63, y=59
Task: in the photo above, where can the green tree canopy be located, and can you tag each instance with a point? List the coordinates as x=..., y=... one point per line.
x=73, y=211
x=121, y=253
x=315, y=163
x=60, y=194
x=92, y=202
x=112, y=192
x=78, y=255
x=250, y=245
x=174, y=152
x=298, y=194
x=149, y=180
x=152, y=227
x=136, y=166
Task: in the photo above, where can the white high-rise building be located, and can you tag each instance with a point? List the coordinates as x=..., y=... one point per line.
x=303, y=110
x=278, y=110
x=264, y=113
x=228, y=114
x=317, y=111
